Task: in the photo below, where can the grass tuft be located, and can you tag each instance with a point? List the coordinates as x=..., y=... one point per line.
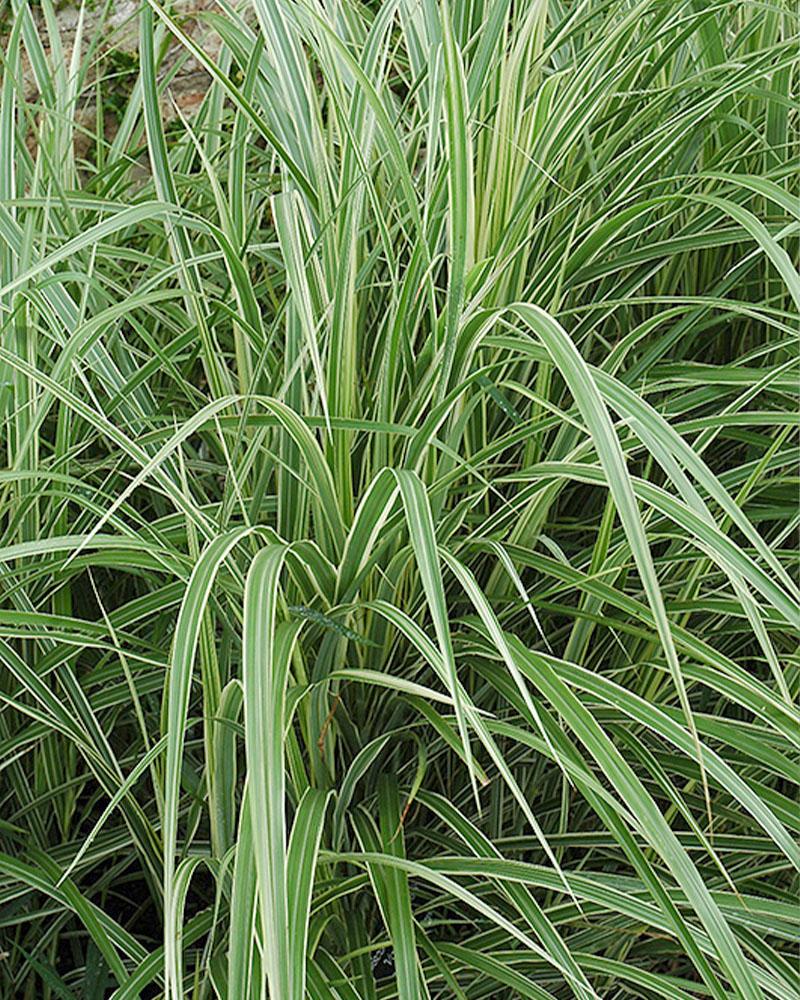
x=398, y=578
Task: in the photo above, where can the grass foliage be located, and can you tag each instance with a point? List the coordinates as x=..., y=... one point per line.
x=399, y=502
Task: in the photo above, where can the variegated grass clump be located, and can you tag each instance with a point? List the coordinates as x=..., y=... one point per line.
x=399, y=505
